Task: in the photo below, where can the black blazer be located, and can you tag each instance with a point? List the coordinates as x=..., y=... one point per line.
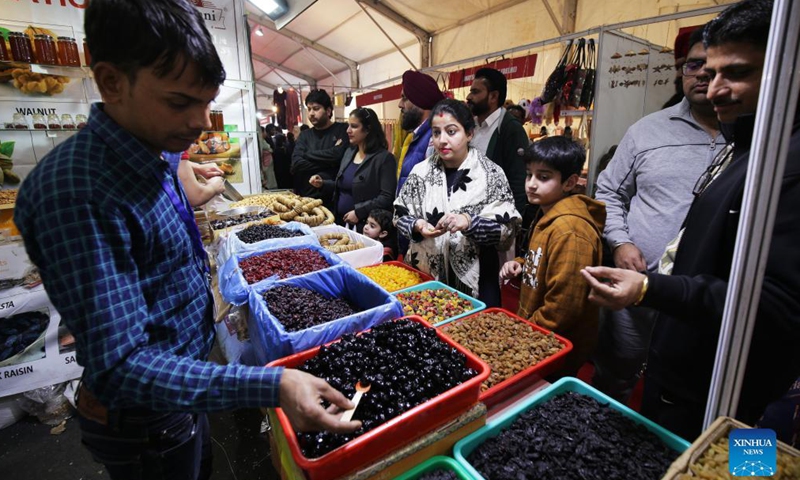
x=374, y=183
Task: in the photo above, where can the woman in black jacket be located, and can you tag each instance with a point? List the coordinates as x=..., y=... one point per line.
x=367, y=175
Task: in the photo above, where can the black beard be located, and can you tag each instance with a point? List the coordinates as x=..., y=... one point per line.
x=479, y=108
x=412, y=118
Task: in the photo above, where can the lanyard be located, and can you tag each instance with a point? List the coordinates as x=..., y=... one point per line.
x=181, y=206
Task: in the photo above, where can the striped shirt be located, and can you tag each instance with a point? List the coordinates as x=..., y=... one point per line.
x=118, y=264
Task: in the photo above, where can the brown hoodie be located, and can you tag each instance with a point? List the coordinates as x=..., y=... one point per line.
x=554, y=295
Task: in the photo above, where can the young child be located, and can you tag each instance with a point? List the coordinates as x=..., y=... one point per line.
x=565, y=239
x=379, y=227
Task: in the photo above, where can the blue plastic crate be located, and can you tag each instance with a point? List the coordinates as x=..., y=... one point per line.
x=466, y=445
x=438, y=462
x=477, y=305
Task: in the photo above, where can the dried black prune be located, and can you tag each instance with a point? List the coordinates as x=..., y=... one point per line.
x=392, y=356
x=572, y=436
x=259, y=232
x=299, y=308
x=239, y=219
x=438, y=474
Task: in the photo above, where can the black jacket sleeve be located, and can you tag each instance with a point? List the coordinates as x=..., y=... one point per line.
x=385, y=173
x=510, y=148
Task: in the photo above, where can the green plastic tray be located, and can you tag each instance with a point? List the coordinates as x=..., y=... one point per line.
x=477, y=305
x=466, y=445
x=440, y=462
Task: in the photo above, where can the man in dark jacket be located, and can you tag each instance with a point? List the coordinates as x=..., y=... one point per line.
x=319, y=150
x=497, y=133
x=692, y=298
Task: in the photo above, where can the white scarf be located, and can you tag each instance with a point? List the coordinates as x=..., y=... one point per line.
x=482, y=190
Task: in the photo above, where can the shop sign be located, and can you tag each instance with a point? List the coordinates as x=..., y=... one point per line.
x=512, y=68
x=213, y=15
x=379, y=96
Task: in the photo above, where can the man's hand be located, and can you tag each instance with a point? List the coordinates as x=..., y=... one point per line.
x=217, y=183
x=207, y=170
x=350, y=217
x=300, y=399
x=629, y=257
x=510, y=270
x=426, y=229
x=315, y=181
x=614, y=288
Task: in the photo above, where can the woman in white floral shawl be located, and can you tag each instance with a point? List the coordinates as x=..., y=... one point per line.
x=457, y=209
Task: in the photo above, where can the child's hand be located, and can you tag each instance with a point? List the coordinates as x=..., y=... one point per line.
x=510, y=270
x=315, y=181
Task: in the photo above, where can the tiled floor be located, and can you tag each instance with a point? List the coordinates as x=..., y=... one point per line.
x=29, y=451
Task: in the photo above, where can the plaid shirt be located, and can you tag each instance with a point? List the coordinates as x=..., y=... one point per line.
x=118, y=264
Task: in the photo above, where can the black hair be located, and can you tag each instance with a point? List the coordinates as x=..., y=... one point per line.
x=495, y=81
x=559, y=153
x=163, y=34
x=321, y=97
x=695, y=37
x=745, y=22
x=383, y=218
x=517, y=108
x=270, y=128
x=459, y=110
x=368, y=119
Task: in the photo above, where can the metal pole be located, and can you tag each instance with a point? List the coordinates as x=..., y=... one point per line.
x=780, y=83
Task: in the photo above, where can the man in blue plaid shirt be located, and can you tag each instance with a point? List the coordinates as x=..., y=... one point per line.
x=110, y=229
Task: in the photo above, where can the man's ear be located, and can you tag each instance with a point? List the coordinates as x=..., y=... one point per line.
x=112, y=82
x=570, y=183
x=383, y=234
x=495, y=97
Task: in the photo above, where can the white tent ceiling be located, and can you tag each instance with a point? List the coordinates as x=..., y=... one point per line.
x=324, y=44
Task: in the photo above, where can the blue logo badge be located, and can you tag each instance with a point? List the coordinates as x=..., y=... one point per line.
x=752, y=452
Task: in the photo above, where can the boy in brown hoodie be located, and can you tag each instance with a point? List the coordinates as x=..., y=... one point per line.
x=565, y=239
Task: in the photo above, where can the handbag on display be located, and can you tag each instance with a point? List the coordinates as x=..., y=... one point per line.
x=579, y=77
x=555, y=81
x=587, y=95
x=569, y=77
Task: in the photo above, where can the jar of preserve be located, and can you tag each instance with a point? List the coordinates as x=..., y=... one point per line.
x=80, y=120
x=67, y=123
x=74, y=57
x=20, y=122
x=39, y=122
x=5, y=54
x=53, y=123
x=63, y=51
x=21, y=50
x=45, y=49
x=86, y=54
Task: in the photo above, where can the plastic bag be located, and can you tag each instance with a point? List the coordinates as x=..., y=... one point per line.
x=233, y=245
x=271, y=341
x=235, y=289
x=49, y=404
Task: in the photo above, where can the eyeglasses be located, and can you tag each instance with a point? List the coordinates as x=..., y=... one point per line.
x=693, y=68
x=711, y=172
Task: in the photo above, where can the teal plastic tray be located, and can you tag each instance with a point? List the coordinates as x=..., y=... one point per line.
x=477, y=305
x=466, y=445
x=433, y=463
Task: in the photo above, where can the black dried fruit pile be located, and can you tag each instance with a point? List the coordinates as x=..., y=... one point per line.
x=572, y=436
x=404, y=363
x=259, y=232
x=299, y=308
x=438, y=474
x=286, y=262
x=239, y=219
x=17, y=332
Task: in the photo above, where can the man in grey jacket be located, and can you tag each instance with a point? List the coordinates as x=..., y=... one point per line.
x=647, y=189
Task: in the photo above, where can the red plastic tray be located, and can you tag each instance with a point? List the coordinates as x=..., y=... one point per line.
x=516, y=383
x=424, y=277
x=393, y=434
